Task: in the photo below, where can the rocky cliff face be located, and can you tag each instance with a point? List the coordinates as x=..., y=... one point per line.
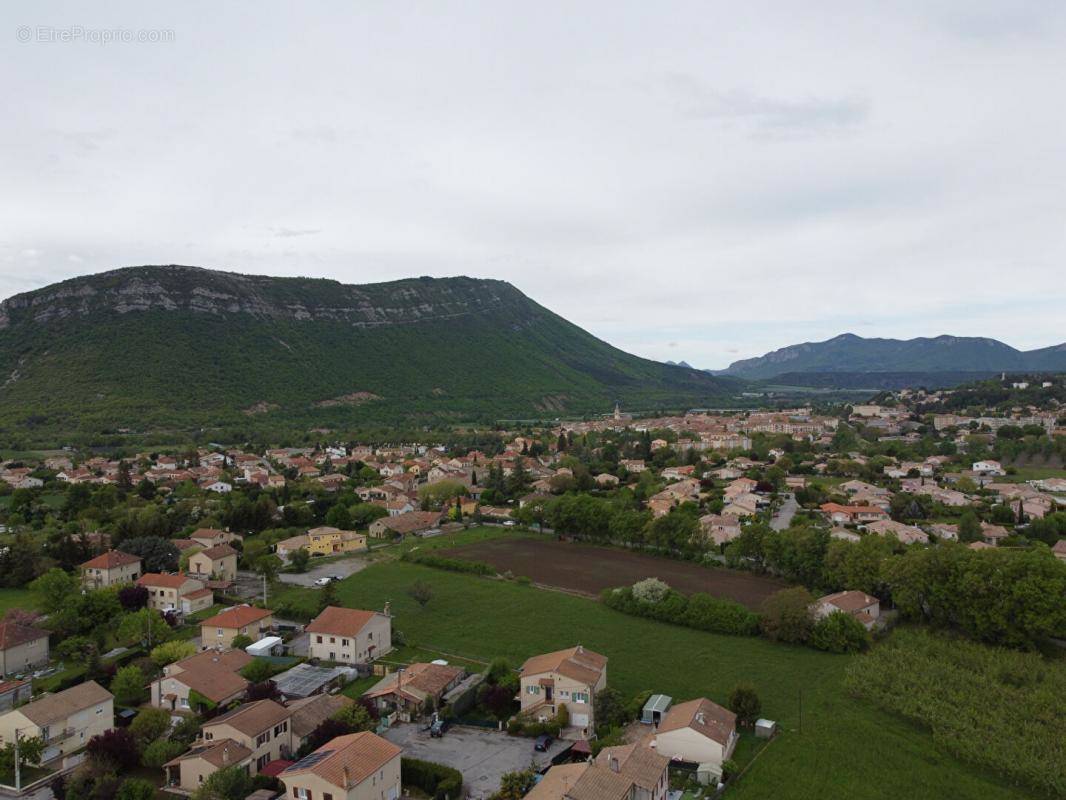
x=181, y=288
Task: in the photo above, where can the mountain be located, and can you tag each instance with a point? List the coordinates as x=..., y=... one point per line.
x=851, y=353
x=174, y=346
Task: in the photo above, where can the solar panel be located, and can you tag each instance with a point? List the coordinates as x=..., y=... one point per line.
x=310, y=760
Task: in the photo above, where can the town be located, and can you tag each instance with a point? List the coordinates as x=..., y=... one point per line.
x=353, y=619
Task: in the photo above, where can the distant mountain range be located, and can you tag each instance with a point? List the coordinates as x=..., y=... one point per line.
x=175, y=346
x=851, y=353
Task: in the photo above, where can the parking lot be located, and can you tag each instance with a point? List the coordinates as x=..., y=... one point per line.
x=342, y=568
x=483, y=756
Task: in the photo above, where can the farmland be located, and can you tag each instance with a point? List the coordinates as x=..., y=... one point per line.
x=588, y=569
x=844, y=747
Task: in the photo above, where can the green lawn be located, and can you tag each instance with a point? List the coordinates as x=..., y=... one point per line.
x=16, y=598
x=845, y=749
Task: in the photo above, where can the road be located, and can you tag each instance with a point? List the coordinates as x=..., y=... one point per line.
x=783, y=516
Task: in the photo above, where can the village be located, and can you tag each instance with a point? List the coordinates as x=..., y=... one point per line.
x=216, y=622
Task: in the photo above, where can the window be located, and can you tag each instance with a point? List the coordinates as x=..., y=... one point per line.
x=532, y=689
x=344, y=642
x=207, y=734
x=218, y=631
x=318, y=640
x=262, y=739
x=580, y=697
x=279, y=729
x=332, y=640
x=327, y=796
x=370, y=636
x=303, y=794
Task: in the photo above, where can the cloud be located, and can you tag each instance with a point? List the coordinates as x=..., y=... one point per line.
x=290, y=233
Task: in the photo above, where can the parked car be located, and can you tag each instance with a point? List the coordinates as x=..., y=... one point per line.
x=509, y=523
x=439, y=726
x=323, y=581
x=544, y=741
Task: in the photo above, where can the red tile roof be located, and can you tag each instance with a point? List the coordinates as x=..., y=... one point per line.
x=110, y=560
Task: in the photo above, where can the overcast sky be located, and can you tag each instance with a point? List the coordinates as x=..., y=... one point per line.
x=702, y=181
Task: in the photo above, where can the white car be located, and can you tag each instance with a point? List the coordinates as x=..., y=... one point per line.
x=323, y=581
x=509, y=523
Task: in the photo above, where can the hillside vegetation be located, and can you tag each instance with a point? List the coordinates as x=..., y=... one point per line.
x=154, y=347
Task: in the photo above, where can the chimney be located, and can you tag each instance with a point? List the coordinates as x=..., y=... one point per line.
x=225, y=755
x=700, y=718
x=387, y=609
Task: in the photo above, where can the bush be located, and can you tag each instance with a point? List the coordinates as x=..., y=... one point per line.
x=700, y=611
x=449, y=564
x=786, y=615
x=650, y=590
x=436, y=780
x=149, y=725
x=135, y=789
x=114, y=750
x=240, y=641
x=160, y=752
x=169, y=652
x=745, y=703
x=839, y=633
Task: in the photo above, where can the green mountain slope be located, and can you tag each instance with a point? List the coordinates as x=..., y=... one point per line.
x=851, y=353
x=173, y=346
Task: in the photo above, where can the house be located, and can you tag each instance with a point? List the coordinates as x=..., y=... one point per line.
x=414, y=690
x=863, y=607
x=112, y=568
x=633, y=465
x=189, y=770
x=993, y=534
x=166, y=592
x=218, y=632
x=286, y=547
x=310, y=712
x=566, y=677
x=350, y=635
x=14, y=693
x=843, y=515
x=844, y=534
x=359, y=766
x=606, y=479
x=404, y=524
x=327, y=541
x=208, y=676
x=720, y=528
x=678, y=473
x=209, y=537
x=942, y=530
x=698, y=732
x=1059, y=549
x=261, y=726
x=624, y=772
x=218, y=562
x=907, y=534
x=21, y=647
x=988, y=468
x=65, y=721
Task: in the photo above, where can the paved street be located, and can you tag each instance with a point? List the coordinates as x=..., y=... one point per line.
x=783, y=516
x=483, y=756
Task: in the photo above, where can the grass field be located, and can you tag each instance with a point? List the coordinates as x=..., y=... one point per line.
x=845, y=748
x=16, y=598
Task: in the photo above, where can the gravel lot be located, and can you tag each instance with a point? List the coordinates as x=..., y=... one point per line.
x=343, y=567
x=483, y=756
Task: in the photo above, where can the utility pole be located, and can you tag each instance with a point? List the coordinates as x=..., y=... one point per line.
x=18, y=772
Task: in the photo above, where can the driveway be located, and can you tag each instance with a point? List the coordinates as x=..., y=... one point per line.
x=483, y=756
x=783, y=516
x=342, y=567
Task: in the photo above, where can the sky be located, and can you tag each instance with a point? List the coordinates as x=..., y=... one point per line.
x=699, y=181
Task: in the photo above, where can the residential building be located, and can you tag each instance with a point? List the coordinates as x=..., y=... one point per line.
x=1059, y=549
x=415, y=689
x=907, y=534
x=215, y=563
x=217, y=632
x=189, y=770
x=327, y=541
x=350, y=635
x=405, y=524
x=262, y=727
x=566, y=677
x=112, y=568
x=699, y=732
x=359, y=766
x=166, y=592
x=310, y=712
x=208, y=676
x=624, y=772
x=865, y=608
x=286, y=547
x=21, y=647
x=843, y=515
x=209, y=537
x=14, y=693
x=65, y=721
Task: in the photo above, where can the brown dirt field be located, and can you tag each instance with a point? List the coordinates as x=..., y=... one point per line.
x=588, y=569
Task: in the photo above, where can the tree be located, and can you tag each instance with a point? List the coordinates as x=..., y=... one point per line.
x=114, y=750
x=498, y=699
x=169, y=652
x=355, y=717
x=609, y=709
x=149, y=725
x=839, y=633
x=133, y=597
x=969, y=527
x=515, y=785
x=745, y=703
x=228, y=783
x=128, y=685
x=30, y=749
x=159, y=752
x=327, y=596
x=257, y=670
x=156, y=553
x=268, y=566
x=136, y=789
x=299, y=559
x=421, y=592
x=76, y=648
x=55, y=590
x=786, y=615
x=146, y=625
x=240, y=641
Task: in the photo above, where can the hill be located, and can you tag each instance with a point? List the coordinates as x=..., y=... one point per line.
x=851, y=353
x=174, y=346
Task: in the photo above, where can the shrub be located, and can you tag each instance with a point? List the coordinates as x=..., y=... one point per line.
x=160, y=752
x=169, y=652
x=839, y=633
x=436, y=780
x=240, y=641
x=149, y=725
x=650, y=590
x=257, y=670
x=128, y=685
x=700, y=611
x=449, y=564
x=786, y=615
x=745, y=703
x=135, y=789
x=113, y=750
